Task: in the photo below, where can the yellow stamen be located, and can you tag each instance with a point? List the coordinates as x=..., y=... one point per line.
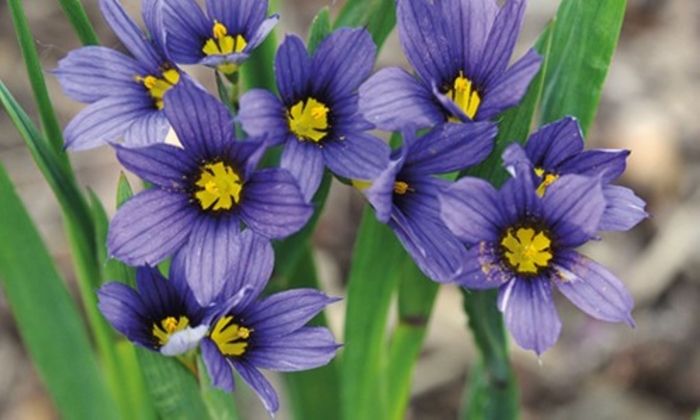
x=401, y=187
x=220, y=186
x=465, y=95
x=158, y=86
x=230, y=338
x=528, y=251
x=309, y=120
x=168, y=327
x=547, y=180
x=221, y=43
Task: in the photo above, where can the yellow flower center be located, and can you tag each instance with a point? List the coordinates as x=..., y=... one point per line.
x=222, y=43
x=168, y=327
x=309, y=120
x=465, y=96
x=528, y=250
x=547, y=180
x=220, y=186
x=401, y=188
x=230, y=338
x=158, y=86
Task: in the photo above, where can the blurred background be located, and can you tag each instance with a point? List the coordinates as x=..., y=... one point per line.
x=596, y=370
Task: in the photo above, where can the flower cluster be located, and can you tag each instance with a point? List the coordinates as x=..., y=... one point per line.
x=212, y=211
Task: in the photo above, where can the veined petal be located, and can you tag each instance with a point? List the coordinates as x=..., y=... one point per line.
x=482, y=269
x=150, y=226
x=272, y=204
x=501, y=41
x=304, y=160
x=91, y=73
x=553, y=143
x=356, y=155
x=394, y=100
x=124, y=309
x=150, y=128
x=202, y=123
x=591, y=287
x=606, y=163
x=515, y=160
x=218, y=367
x=105, y=121
x=451, y=147
x=263, y=116
x=381, y=193
x=623, y=209
x=157, y=293
x=342, y=61
x=260, y=385
x=508, y=88
x=469, y=209
x=573, y=206
x=187, y=28
x=283, y=313
x=518, y=200
x=239, y=16
x=131, y=35
x=529, y=312
x=152, y=18
x=262, y=32
x=306, y=348
x=160, y=164
x=292, y=70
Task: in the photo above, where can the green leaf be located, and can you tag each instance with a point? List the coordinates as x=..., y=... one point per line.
x=320, y=28
x=382, y=20
x=79, y=21
x=124, y=190
x=373, y=275
x=583, y=42
x=697, y=415
x=258, y=70
x=219, y=403
x=225, y=94
x=140, y=404
x=354, y=14
x=173, y=389
x=48, y=320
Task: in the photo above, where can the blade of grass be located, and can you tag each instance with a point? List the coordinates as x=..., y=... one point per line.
x=220, y=404
x=78, y=19
x=320, y=28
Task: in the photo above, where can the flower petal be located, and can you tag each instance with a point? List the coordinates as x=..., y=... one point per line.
x=283, y=313
x=161, y=164
x=304, y=160
x=591, y=287
x=306, y=348
x=150, y=226
x=124, y=309
x=469, y=208
x=341, y=62
x=501, y=41
x=157, y=293
x=482, y=269
x=263, y=116
x=260, y=385
x=292, y=70
x=272, y=204
x=150, y=128
x=187, y=28
x=518, y=200
x=394, y=100
x=623, y=209
x=529, y=313
x=553, y=143
x=607, y=163
x=240, y=17
x=356, y=155
x=131, y=35
x=181, y=342
x=381, y=193
x=262, y=32
x=218, y=367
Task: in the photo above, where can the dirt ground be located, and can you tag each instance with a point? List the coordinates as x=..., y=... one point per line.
x=596, y=370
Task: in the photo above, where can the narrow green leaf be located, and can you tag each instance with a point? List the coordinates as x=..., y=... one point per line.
x=382, y=20
x=48, y=320
x=140, y=404
x=303, y=387
x=376, y=257
x=78, y=19
x=36, y=78
x=353, y=14
x=220, y=404
x=320, y=28
x=225, y=94
x=416, y=298
x=174, y=389
x=124, y=190
x=584, y=39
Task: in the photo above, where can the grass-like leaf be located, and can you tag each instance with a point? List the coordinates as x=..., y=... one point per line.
x=320, y=28
x=79, y=21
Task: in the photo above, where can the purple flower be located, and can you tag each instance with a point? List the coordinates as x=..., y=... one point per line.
x=222, y=39
x=317, y=116
x=556, y=149
x=125, y=94
x=247, y=334
x=201, y=194
x=405, y=195
x=523, y=244
x=163, y=316
x=460, y=50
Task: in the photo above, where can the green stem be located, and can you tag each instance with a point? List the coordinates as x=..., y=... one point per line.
x=79, y=21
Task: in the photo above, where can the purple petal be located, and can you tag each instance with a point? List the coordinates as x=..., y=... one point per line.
x=303, y=349
x=342, y=61
x=262, y=32
x=509, y=87
x=515, y=160
x=482, y=268
x=251, y=267
x=573, y=207
x=106, y=120
x=91, y=73
x=285, y=312
x=501, y=41
x=263, y=116
x=518, y=200
x=124, y=309
x=394, y=100
x=147, y=129
x=183, y=341
x=304, y=160
x=260, y=385
x=623, y=209
x=150, y=226
x=553, y=143
x=152, y=18
x=187, y=29
x=218, y=367
x=606, y=163
x=292, y=70
x=381, y=193
x=470, y=24
x=160, y=164
x=451, y=147
x=591, y=287
x=131, y=35
x=238, y=16
x=156, y=292
x=529, y=313
x=356, y=155
x=272, y=204
x=469, y=209
x=203, y=124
